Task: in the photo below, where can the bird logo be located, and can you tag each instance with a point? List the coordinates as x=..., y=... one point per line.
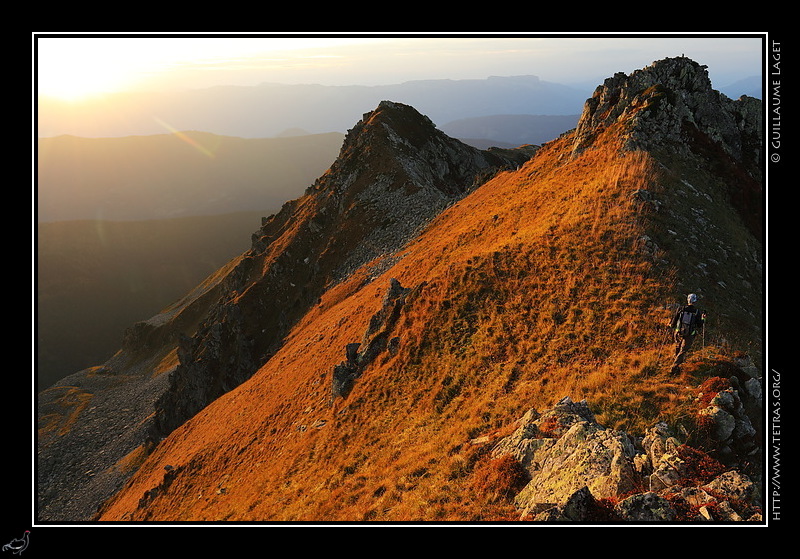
x=18, y=545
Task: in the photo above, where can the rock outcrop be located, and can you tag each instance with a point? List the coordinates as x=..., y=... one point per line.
x=395, y=173
x=580, y=471
x=671, y=108
x=665, y=102
x=377, y=339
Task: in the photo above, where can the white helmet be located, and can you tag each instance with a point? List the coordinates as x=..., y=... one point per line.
x=692, y=298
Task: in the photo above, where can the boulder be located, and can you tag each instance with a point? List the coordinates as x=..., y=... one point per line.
x=565, y=450
x=646, y=507
x=581, y=471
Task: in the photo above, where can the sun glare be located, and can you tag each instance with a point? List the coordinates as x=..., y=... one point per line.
x=76, y=83
x=76, y=68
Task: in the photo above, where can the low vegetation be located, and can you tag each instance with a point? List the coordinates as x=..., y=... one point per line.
x=538, y=285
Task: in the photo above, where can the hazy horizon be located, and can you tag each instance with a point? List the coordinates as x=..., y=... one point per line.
x=74, y=67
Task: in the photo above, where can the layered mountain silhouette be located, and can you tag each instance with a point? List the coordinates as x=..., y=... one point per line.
x=268, y=109
x=390, y=345
x=128, y=225
x=94, y=278
x=180, y=174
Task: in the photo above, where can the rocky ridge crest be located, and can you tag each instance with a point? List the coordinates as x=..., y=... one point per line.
x=395, y=171
x=671, y=103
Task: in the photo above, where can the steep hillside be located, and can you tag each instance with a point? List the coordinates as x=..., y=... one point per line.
x=394, y=173
x=551, y=280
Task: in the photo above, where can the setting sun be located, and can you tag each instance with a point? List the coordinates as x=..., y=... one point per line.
x=75, y=82
x=77, y=68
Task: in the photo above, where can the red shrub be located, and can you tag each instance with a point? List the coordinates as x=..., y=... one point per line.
x=500, y=478
x=549, y=428
x=710, y=388
x=702, y=467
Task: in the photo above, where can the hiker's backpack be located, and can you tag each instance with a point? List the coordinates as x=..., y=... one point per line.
x=687, y=322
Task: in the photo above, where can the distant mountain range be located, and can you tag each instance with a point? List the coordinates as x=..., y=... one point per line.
x=95, y=278
x=267, y=110
x=752, y=87
x=174, y=175
x=509, y=130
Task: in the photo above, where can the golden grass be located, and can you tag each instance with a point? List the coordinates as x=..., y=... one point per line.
x=533, y=288
x=131, y=461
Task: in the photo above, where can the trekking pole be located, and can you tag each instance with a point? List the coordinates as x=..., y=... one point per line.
x=704, y=331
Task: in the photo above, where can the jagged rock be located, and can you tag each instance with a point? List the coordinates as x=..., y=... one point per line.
x=681, y=91
x=731, y=426
x=695, y=497
x=659, y=463
x=579, y=453
x=668, y=472
x=658, y=441
x=734, y=485
x=587, y=454
x=344, y=375
x=726, y=513
x=724, y=423
x=753, y=389
x=351, y=352
x=376, y=339
x=581, y=506
x=748, y=367
x=376, y=336
x=396, y=171
x=645, y=507
x=670, y=108
x=573, y=463
x=537, y=433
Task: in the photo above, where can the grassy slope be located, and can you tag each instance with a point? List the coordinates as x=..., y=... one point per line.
x=534, y=287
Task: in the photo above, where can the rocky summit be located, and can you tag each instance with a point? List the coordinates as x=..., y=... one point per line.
x=670, y=103
x=437, y=333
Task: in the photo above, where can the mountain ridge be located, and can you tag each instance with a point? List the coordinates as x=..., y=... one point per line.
x=297, y=255
x=510, y=297
x=268, y=109
x=351, y=215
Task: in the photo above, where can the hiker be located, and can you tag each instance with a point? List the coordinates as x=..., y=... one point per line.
x=686, y=324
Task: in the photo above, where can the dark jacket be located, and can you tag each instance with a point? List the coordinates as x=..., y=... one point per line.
x=695, y=319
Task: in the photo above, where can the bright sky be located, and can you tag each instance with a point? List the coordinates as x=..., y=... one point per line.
x=72, y=67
